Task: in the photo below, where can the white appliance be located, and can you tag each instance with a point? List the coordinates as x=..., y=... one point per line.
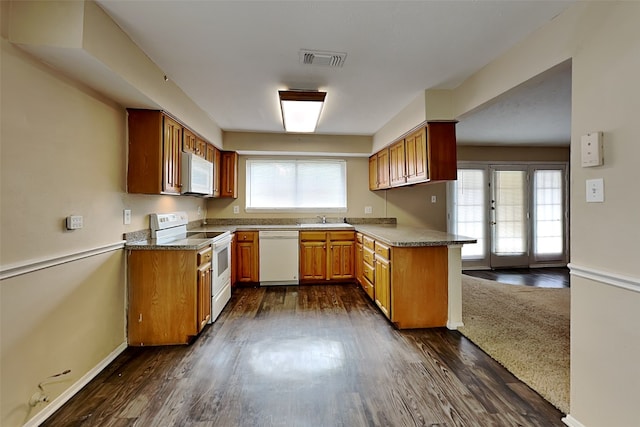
x=220, y=274
x=278, y=257
x=172, y=227
x=197, y=175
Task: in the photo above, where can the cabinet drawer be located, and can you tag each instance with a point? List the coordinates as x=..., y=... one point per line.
x=382, y=250
x=342, y=235
x=368, y=272
x=359, y=237
x=367, y=256
x=368, y=242
x=246, y=236
x=204, y=255
x=313, y=236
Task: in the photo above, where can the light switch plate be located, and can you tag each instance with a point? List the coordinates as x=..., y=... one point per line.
x=595, y=190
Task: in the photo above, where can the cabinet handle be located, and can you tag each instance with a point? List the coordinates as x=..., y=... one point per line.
x=140, y=318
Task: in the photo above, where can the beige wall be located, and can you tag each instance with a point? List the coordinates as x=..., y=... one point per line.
x=63, y=152
x=605, y=342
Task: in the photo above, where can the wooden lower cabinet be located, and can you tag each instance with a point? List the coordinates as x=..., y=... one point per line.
x=383, y=285
x=169, y=295
x=313, y=260
x=247, y=257
x=409, y=284
x=342, y=256
x=359, y=260
x=327, y=256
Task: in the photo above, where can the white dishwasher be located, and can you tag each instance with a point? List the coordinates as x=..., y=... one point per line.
x=278, y=257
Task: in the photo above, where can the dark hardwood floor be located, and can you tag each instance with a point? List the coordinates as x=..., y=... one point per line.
x=307, y=356
x=548, y=277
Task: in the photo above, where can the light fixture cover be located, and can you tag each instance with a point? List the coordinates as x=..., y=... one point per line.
x=301, y=109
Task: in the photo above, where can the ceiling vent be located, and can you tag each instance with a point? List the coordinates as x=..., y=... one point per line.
x=323, y=58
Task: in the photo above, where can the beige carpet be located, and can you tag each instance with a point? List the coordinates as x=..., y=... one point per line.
x=525, y=329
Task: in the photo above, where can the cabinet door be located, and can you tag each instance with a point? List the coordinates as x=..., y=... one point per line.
x=171, y=157
x=216, y=171
x=397, y=164
x=248, y=256
x=383, y=285
x=416, y=155
x=383, y=168
x=229, y=177
x=188, y=141
x=313, y=260
x=373, y=172
x=204, y=295
x=201, y=148
x=342, y=255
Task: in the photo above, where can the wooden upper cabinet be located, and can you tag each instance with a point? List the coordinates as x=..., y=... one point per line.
x=383, y=168
x=373, y=172
x=379, y=170
x=201, y=148
x=427, y=154
x=416, y=157
x=155, y=144
x=397, y=164
x=216, y=172
x=229, y=174
x=188, y=141
x=213, y=156
x=172, y=157
x=441, y=151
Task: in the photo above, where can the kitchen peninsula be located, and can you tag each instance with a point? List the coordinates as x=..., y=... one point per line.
x=412, y=274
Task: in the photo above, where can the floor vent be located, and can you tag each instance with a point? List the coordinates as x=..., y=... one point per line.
x=322, y=58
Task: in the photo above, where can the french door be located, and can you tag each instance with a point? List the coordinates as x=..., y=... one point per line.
x=518, y=214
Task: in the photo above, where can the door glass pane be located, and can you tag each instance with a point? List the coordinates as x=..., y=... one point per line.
x=510, y=229
x=470, y=210
x=548, y=221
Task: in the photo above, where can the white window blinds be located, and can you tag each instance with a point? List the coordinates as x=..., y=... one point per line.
x=296, y=185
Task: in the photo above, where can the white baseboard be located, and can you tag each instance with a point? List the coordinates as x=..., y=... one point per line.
x=56, y=403
x=572, y=422
x=454, y=325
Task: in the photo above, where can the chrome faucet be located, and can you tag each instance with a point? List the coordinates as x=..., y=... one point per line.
x=323, y=218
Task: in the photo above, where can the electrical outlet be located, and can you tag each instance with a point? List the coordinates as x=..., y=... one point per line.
x=433, y=199
x=236, y=209
x=74, y=222
x=126, y=216
x=368, y=210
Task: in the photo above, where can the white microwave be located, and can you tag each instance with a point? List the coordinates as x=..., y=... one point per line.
x=197, y=175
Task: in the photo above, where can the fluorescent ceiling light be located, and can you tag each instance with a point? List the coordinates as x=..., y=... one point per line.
x=301, y=109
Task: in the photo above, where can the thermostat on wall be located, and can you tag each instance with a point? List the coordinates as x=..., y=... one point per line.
x=592, y=149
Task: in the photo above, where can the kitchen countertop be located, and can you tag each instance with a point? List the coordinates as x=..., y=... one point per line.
x=402, y=236
x=392, y=235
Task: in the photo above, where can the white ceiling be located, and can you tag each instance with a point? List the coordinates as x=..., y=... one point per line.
x=231, y=58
